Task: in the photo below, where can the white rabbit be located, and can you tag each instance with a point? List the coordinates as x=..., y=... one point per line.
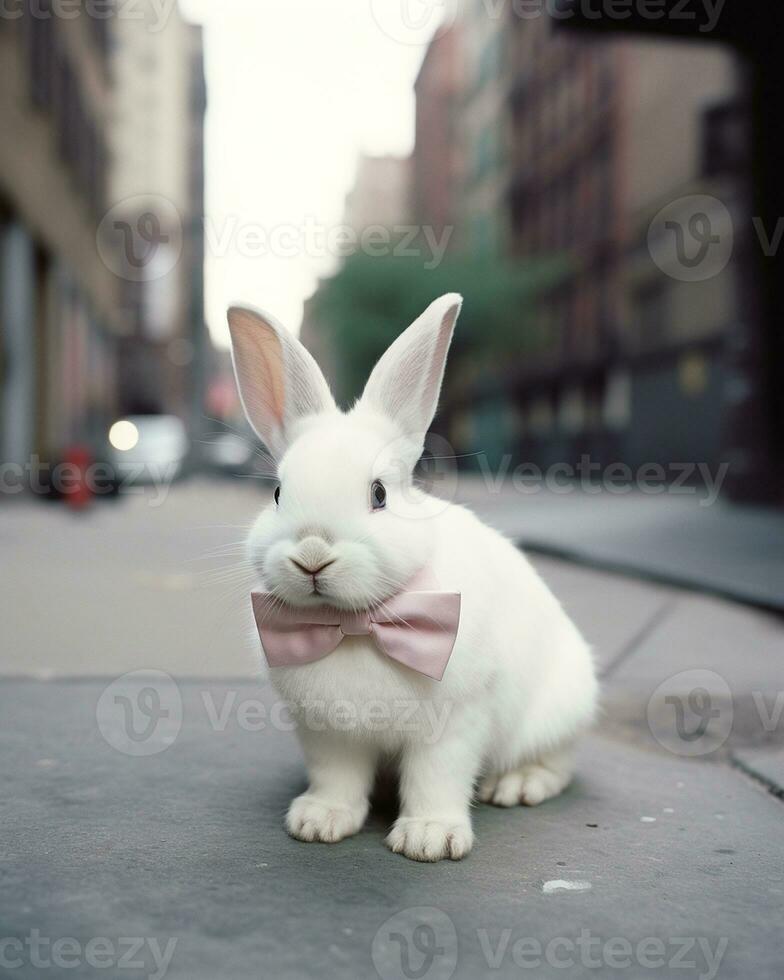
x=520, y=685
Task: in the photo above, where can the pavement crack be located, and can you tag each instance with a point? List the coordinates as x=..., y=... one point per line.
x=776, y=791
x=647, y=629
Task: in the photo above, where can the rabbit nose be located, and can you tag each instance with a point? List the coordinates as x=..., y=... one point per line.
x=313, y=556
x=309, y=569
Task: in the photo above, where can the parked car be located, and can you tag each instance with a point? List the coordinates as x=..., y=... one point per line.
x=148, y=448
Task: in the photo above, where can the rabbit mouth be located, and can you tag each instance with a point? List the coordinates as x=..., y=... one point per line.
x=344, y=577
x=320, y=594
x=304, y=593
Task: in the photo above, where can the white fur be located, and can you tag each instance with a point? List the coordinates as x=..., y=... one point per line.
x=520, y=685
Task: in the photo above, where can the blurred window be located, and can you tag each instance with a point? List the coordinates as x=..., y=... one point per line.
x=594, y=399
x=571, y=411
x=55, y=86
x=725, y=140
x=540, y=417
x=41, y=54
x=651, y=314
x=486, y=150
x=693, y=374
x=617, y=409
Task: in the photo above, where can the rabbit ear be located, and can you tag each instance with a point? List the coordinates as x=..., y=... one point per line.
x=278, y=380
x=406, y=382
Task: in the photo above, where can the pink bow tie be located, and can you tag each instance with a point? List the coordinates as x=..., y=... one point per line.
x=417, y=629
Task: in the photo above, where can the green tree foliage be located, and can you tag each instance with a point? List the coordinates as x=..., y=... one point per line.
x=371, y=299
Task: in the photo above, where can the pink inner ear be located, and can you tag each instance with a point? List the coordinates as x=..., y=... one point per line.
x=258, y=356
x=439, y=353
x=430, y=383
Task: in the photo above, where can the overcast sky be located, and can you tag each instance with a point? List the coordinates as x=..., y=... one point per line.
x=296, y=89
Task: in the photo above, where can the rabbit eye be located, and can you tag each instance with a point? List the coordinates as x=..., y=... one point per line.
x=276, y=495
x=378, y=495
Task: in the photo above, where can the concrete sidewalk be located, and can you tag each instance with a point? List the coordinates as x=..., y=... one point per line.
x=666, y=857
x=647, y=858
x=682, y=536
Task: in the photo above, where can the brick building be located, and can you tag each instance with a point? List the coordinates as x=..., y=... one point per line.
x=58, y=301
x=156, y=189
x=96, y=111
x=437, y=161
x=565, y=199
x=604, y=136
x=571, y=146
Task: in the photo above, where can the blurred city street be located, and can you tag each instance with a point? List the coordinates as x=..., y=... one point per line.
x=600, y=182
x=157, y=579
x=131, y=583
x=177, y=834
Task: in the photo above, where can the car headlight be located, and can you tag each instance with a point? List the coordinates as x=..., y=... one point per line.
x=123, y=435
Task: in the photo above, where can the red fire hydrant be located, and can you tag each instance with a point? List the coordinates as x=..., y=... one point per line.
x=76, y=480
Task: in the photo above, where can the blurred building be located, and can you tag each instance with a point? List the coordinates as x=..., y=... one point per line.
x=197, y=340
x=438, y=159
x=101, y=230
x=675, y=327
x=604, y=136
x=156, y=189
x=565, y=198
x=58, y=301
x=482, y=131
x=314, y=337
x=571, y=147
x=743, y=142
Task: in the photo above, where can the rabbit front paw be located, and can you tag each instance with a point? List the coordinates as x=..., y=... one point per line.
x=312, y=819
x=422, y=839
